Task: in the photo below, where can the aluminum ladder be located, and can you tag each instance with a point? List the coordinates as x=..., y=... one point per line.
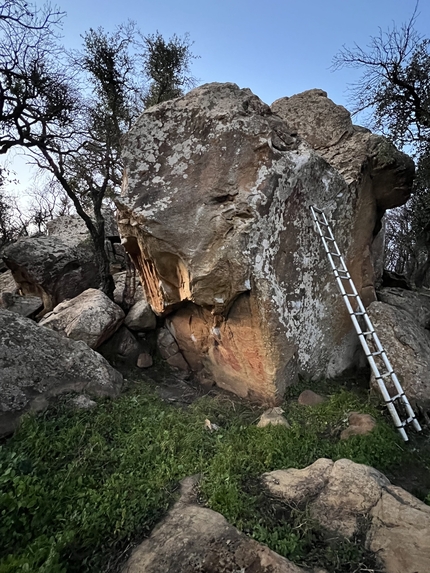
x=352, y=299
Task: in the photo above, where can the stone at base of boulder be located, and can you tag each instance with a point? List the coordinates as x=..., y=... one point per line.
x=310, y=398
x=359, y=425
x=144, y=360
x=273, y=417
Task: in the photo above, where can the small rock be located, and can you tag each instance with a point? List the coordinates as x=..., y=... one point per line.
x=273, y=417
x=82, y=402
x=144, y=360
x=211, y=426
x=140, y=317
x=359, y=425
x=310, y=398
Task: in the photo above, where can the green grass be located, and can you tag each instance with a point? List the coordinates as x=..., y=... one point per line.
x=78, y=488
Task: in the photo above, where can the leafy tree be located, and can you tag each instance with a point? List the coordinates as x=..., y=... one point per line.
x=395, y=87
x=70, y=111
x=167, y=65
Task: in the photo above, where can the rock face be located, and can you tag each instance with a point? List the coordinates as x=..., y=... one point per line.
x=37, y=363
x=406, y=343
x=377, y=173
x=91, y=317
x=52, y=269
x=192, y=539
x=215, y=215
x=346, y=497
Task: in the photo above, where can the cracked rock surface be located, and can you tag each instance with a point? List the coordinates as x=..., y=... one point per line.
x=345, y=497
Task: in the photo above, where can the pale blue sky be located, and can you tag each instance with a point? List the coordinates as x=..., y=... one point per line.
x=275, y=47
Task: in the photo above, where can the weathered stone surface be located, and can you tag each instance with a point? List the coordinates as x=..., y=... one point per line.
x=407, y=345
x=273, y=417
x=140, y=317
x=359, y=425
x=415, y=303
x=123, y=345
x=144, y=360
x=7, y=283
x=91, y=317
x=215, y=215
x=37, y=363
x=374, y=170
x=310, y=398
x=353, y=150
x=127, y=293
x=23, y=305
x=192, y=539
x=51, y=269
x=341, y=495
x=169, y=349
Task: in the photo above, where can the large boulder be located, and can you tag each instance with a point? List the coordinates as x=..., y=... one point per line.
x=407, y=344
x=51, y=268
x=37, y=363
x=215, y=215
x=192, y=539
x=374, y=170
x=417, y=304
x=354, y=499
x=91, y=317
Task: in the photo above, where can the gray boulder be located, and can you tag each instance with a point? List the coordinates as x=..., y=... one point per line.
x=215, y=214
x=417, y=304
x=37, y=363
x=24, y=305
x=91, y=317
x=52, y=269
x=140, y=317
x=407, y=345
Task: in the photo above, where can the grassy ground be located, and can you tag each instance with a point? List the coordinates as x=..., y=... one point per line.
x=79, y=488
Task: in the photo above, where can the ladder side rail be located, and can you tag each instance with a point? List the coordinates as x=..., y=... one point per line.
x=379, y=352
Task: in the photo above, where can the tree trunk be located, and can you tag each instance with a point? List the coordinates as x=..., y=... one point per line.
x=107, y=284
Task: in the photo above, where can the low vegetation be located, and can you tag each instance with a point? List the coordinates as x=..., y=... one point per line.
x=79, y=488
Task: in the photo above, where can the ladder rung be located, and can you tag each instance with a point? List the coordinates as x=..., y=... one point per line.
x=407, y=421
x=396, y=397
x=378, y=353
x=359, y=313
x=335, y=254
x=351, y=295
x=330, y=239
x=367, y=332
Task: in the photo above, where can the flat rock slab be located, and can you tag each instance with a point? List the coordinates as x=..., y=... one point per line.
x=37, y=363
x=341, y=494
x=195, y=539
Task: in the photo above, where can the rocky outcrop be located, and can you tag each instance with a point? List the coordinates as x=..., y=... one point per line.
x=193, y=538
x=91, y=317
x=52, y=269
x=406, y=343
x=37, y=363
x=377, y=173
x=349, y=498
x=215, y=214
